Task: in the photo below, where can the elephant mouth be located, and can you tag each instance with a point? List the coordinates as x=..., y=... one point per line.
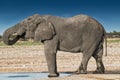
x=13, y=38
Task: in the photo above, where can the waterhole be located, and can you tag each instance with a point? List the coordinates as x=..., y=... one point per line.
x=26, y=76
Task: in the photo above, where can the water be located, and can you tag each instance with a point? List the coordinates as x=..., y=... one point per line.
x=26, y=76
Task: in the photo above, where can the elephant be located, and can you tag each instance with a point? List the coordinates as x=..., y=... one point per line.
x=80, y=33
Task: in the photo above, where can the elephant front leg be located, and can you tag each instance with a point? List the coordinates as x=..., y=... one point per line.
x=50, y=53
x=51, y=62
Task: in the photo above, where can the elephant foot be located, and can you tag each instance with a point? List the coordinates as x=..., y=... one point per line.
x=53, y=75
x=99, y=71
x=80, y=71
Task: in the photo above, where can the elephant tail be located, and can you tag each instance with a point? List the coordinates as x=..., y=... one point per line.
x=105, y=42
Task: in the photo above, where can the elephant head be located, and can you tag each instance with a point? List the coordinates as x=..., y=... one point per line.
x=19, y=30
x=40, y=29
x=32, y=27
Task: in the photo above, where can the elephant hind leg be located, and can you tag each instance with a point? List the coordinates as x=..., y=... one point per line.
x=98, y=57
x=87, y=53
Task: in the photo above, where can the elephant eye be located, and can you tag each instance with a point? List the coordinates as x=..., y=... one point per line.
x=29, y=18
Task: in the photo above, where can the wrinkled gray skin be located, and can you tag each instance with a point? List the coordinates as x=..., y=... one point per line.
x=76, y=34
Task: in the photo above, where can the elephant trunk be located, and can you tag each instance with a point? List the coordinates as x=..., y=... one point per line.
x=7, y=35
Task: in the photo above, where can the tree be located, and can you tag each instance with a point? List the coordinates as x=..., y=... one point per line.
x=115, y=32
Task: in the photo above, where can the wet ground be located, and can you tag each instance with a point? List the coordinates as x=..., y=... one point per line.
x=26, y=76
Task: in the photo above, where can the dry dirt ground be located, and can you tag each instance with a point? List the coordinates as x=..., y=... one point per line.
x=32, y=59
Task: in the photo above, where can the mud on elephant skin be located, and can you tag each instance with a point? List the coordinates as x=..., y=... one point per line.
x=76, y=34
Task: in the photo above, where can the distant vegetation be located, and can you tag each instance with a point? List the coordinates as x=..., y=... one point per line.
x=0, y=38
x=23, y=43
x=113, y=34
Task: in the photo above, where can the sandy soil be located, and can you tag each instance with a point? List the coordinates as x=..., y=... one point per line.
x=32, y=59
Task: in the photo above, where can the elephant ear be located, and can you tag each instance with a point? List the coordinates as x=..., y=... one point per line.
x=44, y=31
